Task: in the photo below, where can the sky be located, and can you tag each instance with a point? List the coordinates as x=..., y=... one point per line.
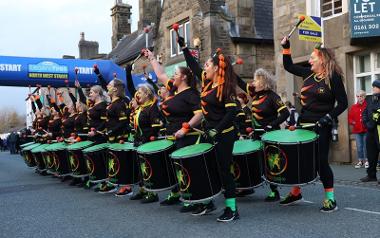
x=51, y=29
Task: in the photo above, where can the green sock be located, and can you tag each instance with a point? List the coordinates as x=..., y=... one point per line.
x=231, y=203
x=330, y=195
x=174, y=195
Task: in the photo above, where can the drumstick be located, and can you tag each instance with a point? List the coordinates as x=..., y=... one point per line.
x=82, y=134
x=292, y=128
x=153, y=138
x=187, y=126
x=300, y=20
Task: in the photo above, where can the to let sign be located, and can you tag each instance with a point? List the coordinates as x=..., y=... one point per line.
x=365, y=18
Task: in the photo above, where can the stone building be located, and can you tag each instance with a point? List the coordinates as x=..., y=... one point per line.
x=352, y=30
x=241, y=28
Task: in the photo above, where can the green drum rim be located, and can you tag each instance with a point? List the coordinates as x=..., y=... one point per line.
x=191, y=150
x=80, y=145
x=121, y=147
x=39, y=149
x=30, y=147
x=27, y=144
x=289, y=137
x=246, y=146
x=96, y=148
x=56, y=146
x=154, y=146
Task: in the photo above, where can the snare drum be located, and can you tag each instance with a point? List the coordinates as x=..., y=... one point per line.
x=290, y=157
x=197, y=172
x=248, y=163
x=26, y=153
x=122, y=164
x=156, y=168
x=96, y=161
x=77, y=163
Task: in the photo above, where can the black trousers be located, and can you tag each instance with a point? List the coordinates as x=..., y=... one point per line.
x=324, y=170
x=223, y=148
x=372, y=152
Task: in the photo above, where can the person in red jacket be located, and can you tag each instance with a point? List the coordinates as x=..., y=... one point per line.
x=358, y=128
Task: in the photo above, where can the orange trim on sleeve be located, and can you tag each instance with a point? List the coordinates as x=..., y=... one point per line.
x=286, y=51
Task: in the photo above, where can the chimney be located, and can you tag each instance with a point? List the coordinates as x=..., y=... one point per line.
x=87, y=49
x=121, y=21
x=149, y=12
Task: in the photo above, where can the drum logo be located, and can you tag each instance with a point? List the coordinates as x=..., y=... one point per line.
x=49, y=160
x=183, y=177
x=74, y=161
x=235, y=170
x=276, y=160
x=90, y=165
x=146, y=168
x=113, y=165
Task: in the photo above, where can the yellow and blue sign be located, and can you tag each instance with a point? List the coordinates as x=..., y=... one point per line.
x=310, y=29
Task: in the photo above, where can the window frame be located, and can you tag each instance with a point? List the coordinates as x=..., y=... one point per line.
x=374, y=59
x=184, y=35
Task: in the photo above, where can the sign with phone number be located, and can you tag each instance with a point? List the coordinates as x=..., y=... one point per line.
x=365, y=18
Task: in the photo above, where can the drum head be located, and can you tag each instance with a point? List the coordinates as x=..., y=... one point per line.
x=39, y=149
x=30, y=147
x=56, y=146
x=80, y=145
x=242, y=147
x=289, y=137
x=96, y=148
x=121, y=147
x=191, y=151
x=154, y=146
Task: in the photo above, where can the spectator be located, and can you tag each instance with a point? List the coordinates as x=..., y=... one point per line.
x=355, y=120
x=293, y=117
x=1, y=144
x=371, y=119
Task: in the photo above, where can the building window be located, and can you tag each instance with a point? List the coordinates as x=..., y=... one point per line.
x=184, y=31
x=366, y=70
x=331, y=7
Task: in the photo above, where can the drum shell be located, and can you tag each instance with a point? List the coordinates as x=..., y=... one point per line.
x=301, y=166
x=202, y=175
x=248, y=169
x=39, y=160
x=159, y=171
x=96, y=163
x=28, y=158
x=78, y=166
x=61, y=161
x=127, y=169
x=49, y=160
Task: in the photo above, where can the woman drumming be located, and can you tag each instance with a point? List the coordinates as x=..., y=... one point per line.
x=322, y=89
x=219, y=110
x=182, y=105
x=117, y=119
x=146, y=124
x=268, y=111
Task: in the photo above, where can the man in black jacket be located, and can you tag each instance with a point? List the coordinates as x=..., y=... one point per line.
x=371, y=119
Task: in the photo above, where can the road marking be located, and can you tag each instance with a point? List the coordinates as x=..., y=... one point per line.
x=361, y=210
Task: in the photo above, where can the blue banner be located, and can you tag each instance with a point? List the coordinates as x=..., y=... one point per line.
x=24, y=72
x=365, y=18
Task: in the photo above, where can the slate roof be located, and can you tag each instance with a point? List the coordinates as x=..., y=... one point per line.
x=129, y=47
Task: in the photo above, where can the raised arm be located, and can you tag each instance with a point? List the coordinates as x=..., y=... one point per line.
x=288, y=62
x=130, y=85
x=157, y=67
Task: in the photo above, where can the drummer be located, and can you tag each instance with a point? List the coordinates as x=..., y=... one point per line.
x=146, y=125
x=117, y=119
x=219, y=109
x=323, y=99
x=268, y=112
x=96, y=118
x=181, y=105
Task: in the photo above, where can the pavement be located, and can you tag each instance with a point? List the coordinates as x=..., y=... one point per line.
x=32, y=205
